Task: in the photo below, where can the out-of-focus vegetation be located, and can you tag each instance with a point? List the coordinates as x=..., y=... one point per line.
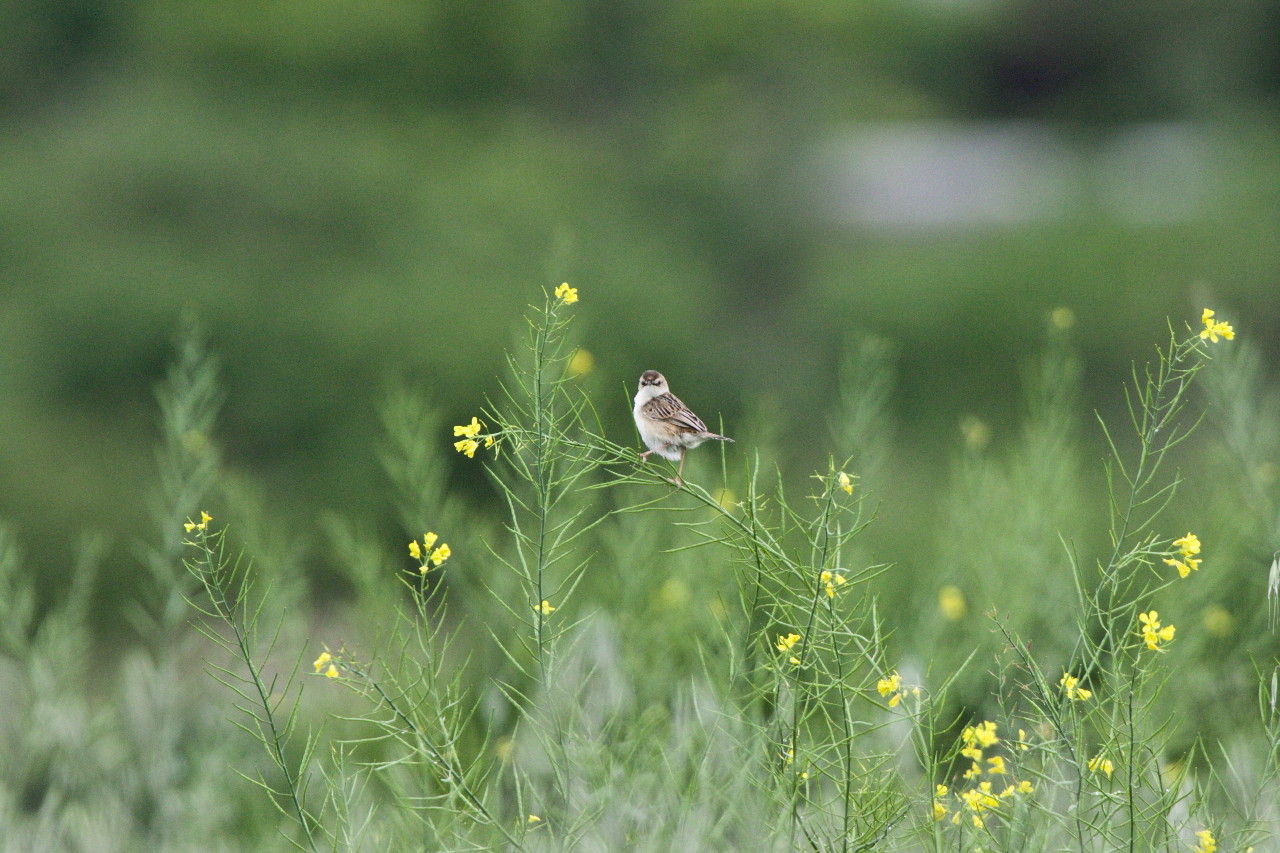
x=347, y=196
x=351, y=200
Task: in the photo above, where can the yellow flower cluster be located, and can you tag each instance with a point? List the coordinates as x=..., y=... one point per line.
x=784, y=644
x=205, y=518
x=468, y=444
x=1101, y=764
x=892, y=687
x=1207, y=843
x=975, y=740
x=435, y=555
x=1151, y=631
x=325, y=662
x=1213, y=328
x=983, y=798
x=544, y=608
x=830, y=580
x=1188, y=546
x=566, y=294
x=951, y=602
x=1068, y=683
x=845, y=483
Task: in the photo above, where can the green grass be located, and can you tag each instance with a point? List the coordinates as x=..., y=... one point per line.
x=606, y=662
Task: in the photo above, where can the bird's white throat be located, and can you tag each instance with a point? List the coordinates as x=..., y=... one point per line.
x=647, y=393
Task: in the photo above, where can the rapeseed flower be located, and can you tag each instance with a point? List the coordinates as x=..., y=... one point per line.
x=1213, y=328
x=205, y=518
x=1151, y=631
x=470, y=430
x=951, y=602
x=1188, y=546
x=830, y=580
x=566, y=294
x=1068, y=682
x=892, y=684
x=325, y=662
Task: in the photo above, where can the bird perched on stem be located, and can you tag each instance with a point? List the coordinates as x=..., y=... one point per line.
x=666, y=425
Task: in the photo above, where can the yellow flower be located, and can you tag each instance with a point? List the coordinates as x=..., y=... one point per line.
x=1025, y=787
x=845, y=483
x=582, y=362
x=470, y=430
x=939, y=810
x=331, y=672
x=1069, y=687
x=784, y=644
x=414, y=550
x=1022, y=739
x=892, y=687
x=441, y=554
x=1213, y=328
x=1217, y=620
x=951, y=602
x=1186, y=568
x=997, y=764
x=1063, y=318
x=1189, y=545
x=205, y=518
x=1207, y=843
x=428, y=539
x=467, y=446
x=324, y=658
x=983, y=734
x=1151, y=631
x=533, y=818
x=889, y=685
x=830, y=580
x=980, y=798
x=544, y=608
x=1098, y=764
x=566, y=294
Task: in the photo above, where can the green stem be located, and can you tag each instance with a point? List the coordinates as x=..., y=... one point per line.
x=227, y=611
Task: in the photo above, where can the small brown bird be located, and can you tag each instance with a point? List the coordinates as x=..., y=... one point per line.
x=666, y=425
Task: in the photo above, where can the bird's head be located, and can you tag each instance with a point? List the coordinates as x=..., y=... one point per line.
x=653, y=379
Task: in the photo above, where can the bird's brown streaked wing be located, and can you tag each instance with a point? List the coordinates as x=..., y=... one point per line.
x=665, y=407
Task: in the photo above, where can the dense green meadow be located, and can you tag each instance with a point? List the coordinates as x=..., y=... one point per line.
x=322, y=519
x=600, y=660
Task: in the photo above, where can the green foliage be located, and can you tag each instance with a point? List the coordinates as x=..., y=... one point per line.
x=620, y=663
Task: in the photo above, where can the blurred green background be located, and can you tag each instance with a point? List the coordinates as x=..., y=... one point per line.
x=350, y=197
